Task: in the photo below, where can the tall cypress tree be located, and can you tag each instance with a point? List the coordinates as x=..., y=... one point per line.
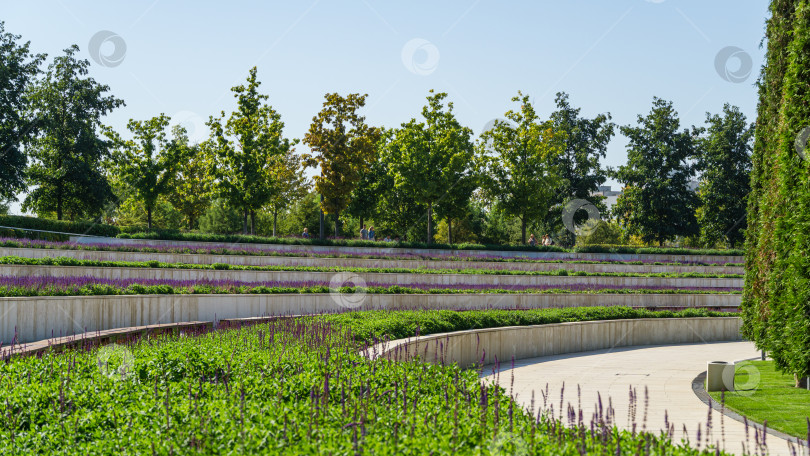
x=776, y=300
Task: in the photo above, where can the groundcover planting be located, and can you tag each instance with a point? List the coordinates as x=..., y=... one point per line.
x=86, y=285
x=286, y=387
x=230, y=249
x=66, y=261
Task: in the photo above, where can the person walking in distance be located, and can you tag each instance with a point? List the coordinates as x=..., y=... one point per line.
x=363, y=233
x=371, y=233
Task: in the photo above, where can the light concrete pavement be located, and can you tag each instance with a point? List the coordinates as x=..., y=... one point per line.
x=664, y=372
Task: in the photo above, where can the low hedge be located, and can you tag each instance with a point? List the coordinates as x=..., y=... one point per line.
x=23, y=223
x=174, y=235
x=67, y=261
x=372, y=326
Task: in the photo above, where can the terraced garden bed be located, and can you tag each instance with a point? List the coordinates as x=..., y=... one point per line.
x=230, y=249
x=11, y=286
x=292, y=385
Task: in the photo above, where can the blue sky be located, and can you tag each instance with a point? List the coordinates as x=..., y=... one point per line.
x=182, y=58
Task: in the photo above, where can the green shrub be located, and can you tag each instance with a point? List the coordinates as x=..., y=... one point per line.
x=62, y=226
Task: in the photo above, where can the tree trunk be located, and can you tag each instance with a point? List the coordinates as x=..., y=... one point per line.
x=148, y=218
x=275, y=221
x=191, y=222
x=801, y=382
x=523, y=230
x=430, y=224
x=245, y=221
x=253, y=223
x=361, y=222
x=337, y=225
x=323, y=230
x=449, y=231
x=59, y=203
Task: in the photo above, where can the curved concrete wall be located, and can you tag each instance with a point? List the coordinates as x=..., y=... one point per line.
x=519, y=342
x=382, y=249
x=37, y=318
x=257, y=260
x=379, y=278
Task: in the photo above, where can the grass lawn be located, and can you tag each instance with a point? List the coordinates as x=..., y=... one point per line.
x=772, y=397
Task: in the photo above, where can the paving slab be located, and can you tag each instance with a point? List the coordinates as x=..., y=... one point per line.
x=660, y=378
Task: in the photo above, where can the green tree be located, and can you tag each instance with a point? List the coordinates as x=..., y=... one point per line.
x=18, y=67
x=657, y=203
x=520, y=158
x=67, y=151
x=192, y=184
x=584, y=143
x=248, y=147
x=433, y=160
x=343, y=147
x=397, y=211
x=149, y=161
x=776, y=297
x=725, y=162
x=221, y=218
x=291, y=184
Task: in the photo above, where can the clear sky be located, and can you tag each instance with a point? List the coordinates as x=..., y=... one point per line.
x=181, y=58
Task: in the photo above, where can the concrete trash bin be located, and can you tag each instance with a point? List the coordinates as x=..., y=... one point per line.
x=720, y=376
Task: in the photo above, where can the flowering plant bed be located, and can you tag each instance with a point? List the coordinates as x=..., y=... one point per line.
x=225, y=249
x=290, y=386
x=66, y=261
x=87, y=286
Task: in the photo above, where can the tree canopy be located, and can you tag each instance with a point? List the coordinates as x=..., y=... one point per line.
x=433, y=159
x=657, y=203
x=67, y=151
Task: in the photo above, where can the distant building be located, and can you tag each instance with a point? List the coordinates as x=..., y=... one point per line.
x=610, y=195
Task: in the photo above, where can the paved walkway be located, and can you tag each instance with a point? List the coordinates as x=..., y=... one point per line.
x=666, y=372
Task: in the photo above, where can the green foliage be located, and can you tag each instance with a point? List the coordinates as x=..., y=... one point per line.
x=63, y=226
x=343, y=148
x=433, y=162
x=584, y=142
x=132, y=216
x=191, y=190
x=248, y=148
x=725, y=162
x=18, y=68
x=147, y=163
x=520, y=161
x=220, y=218
x=285, y=387
x=657, y=203
x=776, y=303
x=609, y=233
x=373, y=325
x=67, y=151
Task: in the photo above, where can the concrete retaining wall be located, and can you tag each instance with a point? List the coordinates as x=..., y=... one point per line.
x=37, y=318
x=369, y=278
x=394, y=251
x=257, y=260
x=519, y=342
